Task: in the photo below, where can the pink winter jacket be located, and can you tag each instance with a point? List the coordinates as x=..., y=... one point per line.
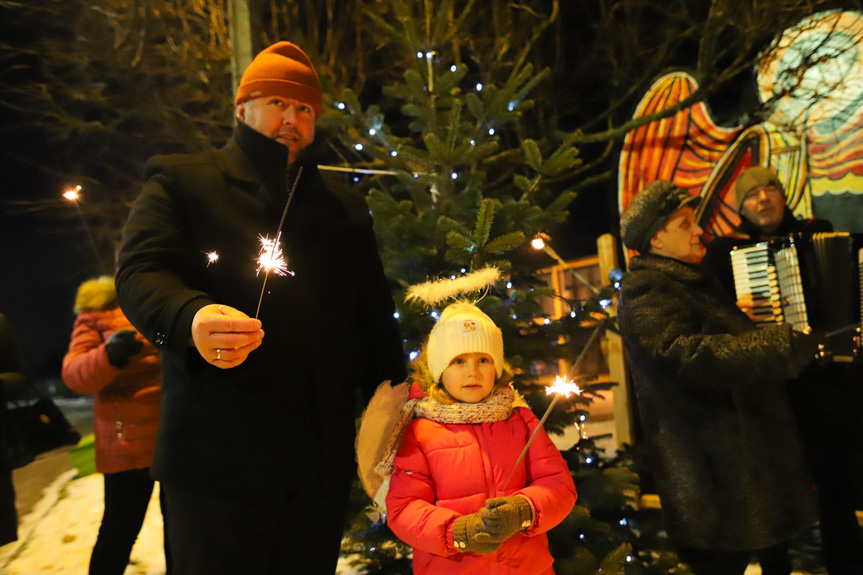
x=126, y=406
x=443, y=471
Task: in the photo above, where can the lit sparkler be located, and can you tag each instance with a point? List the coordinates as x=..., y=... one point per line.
x=271, y=258
x=212, y=257
x=562, y=387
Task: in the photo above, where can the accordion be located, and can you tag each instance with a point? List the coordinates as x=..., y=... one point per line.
x=812, y=281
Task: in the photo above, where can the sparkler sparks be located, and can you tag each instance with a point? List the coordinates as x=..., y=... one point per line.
x=563, y=386
x=212, y=257
x=271, y=259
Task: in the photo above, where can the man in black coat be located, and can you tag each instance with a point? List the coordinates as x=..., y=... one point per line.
x=827, y=399
x=255, y=446
x=722, y=440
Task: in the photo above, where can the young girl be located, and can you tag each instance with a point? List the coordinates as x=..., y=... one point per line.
x=450, y=494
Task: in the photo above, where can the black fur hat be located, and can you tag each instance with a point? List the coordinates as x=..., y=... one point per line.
x=649, y=210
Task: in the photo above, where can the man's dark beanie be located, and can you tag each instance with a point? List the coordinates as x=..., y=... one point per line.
x=649, y=211
x=752, y=178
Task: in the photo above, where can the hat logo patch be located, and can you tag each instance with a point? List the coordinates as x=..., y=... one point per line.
x=468, y=326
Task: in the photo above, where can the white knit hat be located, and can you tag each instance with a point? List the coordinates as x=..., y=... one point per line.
x=463, y=328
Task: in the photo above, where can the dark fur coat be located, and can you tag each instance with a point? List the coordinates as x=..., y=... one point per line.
x=722, y=440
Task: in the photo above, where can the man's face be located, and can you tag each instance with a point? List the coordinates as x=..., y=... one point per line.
x=679, y=238
x=287, y=121
x=764, y=206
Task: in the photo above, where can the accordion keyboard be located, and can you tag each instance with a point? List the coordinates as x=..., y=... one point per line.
x=756, y=279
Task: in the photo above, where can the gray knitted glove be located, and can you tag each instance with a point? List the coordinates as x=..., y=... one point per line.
x=503, y=517
x=468, y=535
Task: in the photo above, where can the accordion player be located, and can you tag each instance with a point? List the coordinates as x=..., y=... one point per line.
x=812, y=281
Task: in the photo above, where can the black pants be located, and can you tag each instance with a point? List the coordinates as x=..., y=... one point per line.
x=127, y=495
x=773, y=560
x=8, y=515
x=293, y=532
x=827, y=403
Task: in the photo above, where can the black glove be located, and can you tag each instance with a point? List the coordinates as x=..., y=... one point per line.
x=503, y=517
x=806, y=349
x=121, y=346
x=468, y=535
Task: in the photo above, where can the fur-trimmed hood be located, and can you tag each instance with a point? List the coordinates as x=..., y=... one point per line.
x=95, y=294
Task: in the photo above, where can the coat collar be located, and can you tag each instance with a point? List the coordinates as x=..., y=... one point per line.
x=786, y=226
x=251, y=156
x=677, y=269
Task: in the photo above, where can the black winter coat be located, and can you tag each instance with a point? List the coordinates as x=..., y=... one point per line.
x=285, y=417
x=722, y=440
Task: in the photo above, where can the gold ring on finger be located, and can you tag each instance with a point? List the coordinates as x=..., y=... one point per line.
x=218, y=354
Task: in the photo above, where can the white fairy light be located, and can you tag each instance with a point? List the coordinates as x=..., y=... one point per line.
x=358, y=147
x=479, y=86
x=419, y=54
x=454, y=176
x=491, y=131
x=340, y=105
x=372, y=131
x=394, y=153
x=453, y=68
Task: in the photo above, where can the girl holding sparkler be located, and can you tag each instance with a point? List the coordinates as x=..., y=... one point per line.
x=450, y=493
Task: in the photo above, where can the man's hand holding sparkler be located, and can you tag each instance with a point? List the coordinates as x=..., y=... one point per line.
x=225, y=336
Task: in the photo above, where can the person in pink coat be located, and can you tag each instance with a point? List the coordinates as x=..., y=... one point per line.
x=453, y=495
x=108, y=358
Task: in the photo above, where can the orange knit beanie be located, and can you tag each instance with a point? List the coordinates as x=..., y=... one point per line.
x=284, y=70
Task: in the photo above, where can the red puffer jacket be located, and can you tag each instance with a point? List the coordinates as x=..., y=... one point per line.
x=126, y=406
x=443, y=471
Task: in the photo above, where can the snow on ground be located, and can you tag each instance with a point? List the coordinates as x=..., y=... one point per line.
x=57, y=536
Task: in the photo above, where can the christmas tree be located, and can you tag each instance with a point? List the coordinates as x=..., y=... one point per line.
x=460, y=174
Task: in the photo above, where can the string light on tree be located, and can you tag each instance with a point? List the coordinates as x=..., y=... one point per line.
x=340, y=105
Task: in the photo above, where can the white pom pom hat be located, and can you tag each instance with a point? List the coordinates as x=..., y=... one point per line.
x=463, y=328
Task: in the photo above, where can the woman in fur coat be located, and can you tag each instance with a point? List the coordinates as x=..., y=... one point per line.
x=108, y=358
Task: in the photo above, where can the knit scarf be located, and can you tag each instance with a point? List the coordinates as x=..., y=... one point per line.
x=497, y=407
